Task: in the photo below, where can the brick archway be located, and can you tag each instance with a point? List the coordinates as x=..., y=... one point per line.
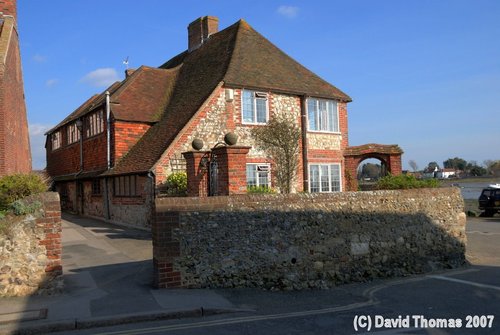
x=389, y=155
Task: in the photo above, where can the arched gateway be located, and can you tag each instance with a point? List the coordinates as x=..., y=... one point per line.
x=389, y=155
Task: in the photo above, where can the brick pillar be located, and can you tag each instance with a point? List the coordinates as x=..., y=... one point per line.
x=197, y=173
x=395, y=165
x=165, y=249
x=51, y=224
x=232, y=177
x=351, y=173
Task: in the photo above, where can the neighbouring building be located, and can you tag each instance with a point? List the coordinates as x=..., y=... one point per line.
x=15, y=154
x=111, y=155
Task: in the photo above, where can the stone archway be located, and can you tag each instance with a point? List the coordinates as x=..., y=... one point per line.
x=389, y=155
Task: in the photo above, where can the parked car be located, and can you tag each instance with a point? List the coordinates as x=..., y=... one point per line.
x=489, y=201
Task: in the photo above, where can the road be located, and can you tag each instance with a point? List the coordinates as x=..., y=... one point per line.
x=462, y=301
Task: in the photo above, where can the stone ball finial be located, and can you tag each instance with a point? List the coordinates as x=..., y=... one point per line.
x=231, y=139
x=197, y=144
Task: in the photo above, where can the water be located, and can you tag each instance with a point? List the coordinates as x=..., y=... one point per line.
x=472, y=190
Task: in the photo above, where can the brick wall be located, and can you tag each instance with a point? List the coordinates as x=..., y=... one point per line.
x=306, y=240
x=66, y=160
x=221, y=115
x=125, y=136
x=15, y=153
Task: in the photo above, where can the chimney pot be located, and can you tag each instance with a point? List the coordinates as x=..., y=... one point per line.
x=200, y=29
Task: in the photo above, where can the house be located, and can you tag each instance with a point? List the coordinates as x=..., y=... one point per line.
x=15, y=154
x=446, y=173
x=109, y=156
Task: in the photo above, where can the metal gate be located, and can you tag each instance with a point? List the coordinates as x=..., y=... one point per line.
x=213, y=175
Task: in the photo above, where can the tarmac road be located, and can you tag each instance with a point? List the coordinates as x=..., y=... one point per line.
x=463, y=301
x=108, y=277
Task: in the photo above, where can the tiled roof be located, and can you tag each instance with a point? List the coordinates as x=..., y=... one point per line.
x=141, y=97
x=237, y=56
x=388, y=149
x=144, y=95
x=258, y=63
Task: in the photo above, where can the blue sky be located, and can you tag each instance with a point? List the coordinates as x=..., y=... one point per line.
x=422, y=74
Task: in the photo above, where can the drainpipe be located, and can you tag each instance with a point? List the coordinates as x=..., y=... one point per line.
x=303, y=124
x=107, y=210
x=151, y=177
x=108, y=130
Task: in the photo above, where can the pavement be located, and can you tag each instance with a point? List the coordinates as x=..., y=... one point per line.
x=107, y=280
x=108, y=276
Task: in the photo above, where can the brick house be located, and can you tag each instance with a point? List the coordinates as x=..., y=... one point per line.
x=15, y=154
x=110, y=155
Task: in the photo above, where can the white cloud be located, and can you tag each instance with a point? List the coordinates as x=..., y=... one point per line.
x=37, y=140
x=288, y=11
x=101, y=77
x=51, y=82
x=39, y=58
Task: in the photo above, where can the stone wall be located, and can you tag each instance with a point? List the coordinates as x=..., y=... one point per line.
x=306, y=240
x=30, y=249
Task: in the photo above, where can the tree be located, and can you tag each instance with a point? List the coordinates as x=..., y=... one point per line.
x=455, y=163
x=432, y=166
x=370, y=170
x=280, y=140
x=413, y=165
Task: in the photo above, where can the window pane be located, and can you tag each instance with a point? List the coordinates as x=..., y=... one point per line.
x=251, y=175
x=311, y=111
x=325, y=178
x=335, y=177
x=248, y=115
x=323, y=115
x=261, y=110
x=263, y=178
x=314, y=178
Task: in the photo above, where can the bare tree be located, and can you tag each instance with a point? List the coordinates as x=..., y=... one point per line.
x=280, y=140
x=413, y=165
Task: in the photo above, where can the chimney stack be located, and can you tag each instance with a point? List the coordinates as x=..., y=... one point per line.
x=8, y=7
x=200, y=29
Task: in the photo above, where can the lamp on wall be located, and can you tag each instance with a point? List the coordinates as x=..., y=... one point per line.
x=79, y=124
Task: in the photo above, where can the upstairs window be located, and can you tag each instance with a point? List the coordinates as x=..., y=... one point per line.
x=258, y=175
x=56, y=140
x=324, y=178
x=254, y=107
x=73, y=133
x=323, y=115
x=95, y=124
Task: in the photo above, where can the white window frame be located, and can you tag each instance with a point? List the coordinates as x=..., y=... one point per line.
x=73, y=133
x=331, y=126
x=329, y=188
x=56, y=140
x=256, y=95
x=257, y=165
x=95, y=124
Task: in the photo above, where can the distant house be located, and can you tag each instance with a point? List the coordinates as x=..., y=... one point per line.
x=446, y=173
x=109, y=157
x=15, y=154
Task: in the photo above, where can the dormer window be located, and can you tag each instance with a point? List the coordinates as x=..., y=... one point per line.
x=95, y=124
x=254, y=107
x=56, y=140
x=73, y=133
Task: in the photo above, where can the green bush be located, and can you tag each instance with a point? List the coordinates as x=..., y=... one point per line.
x=260, y=189
x=404, y=181
x=176, y=184
x=18, y=186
